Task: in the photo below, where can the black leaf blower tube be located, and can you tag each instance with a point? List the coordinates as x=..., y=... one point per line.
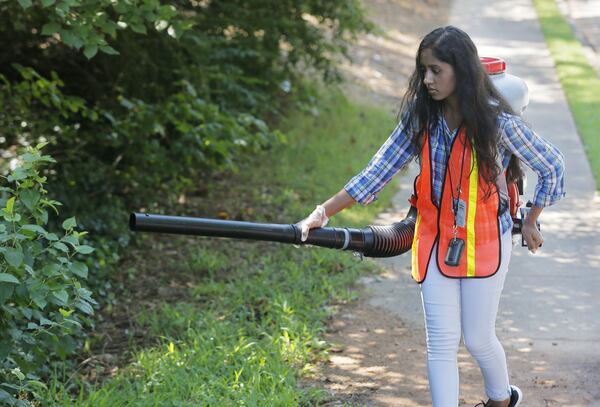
x=371, y=241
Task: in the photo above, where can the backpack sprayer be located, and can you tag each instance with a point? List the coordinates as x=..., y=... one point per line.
x=371, y=241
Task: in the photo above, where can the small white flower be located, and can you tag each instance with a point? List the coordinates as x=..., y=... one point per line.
x=161, y=25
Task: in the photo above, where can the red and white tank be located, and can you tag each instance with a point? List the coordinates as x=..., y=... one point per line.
x=511, y=87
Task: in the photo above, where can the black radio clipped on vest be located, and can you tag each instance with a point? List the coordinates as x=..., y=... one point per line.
x=455, y=249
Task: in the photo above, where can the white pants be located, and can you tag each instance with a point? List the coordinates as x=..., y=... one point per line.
x=471, y=304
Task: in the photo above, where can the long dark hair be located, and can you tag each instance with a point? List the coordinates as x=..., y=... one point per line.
x=479, y=101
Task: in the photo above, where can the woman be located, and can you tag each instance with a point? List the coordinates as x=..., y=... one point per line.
x=466, y=138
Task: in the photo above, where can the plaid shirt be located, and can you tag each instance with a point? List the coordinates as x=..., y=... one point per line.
x=515, y=138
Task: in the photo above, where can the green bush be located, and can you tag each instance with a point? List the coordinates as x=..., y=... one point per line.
x=138, y=101
x=142, y=101
x=42, y=301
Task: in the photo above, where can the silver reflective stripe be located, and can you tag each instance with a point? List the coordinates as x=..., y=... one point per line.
x=346, y=239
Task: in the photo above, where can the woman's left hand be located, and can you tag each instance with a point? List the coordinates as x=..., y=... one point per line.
x=532, y=236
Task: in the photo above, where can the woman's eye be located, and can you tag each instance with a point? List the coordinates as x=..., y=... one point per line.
x=435, y=71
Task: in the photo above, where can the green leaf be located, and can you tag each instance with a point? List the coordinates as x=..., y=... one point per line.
x=107, y=49
x=29, y=269
x=38, y=384
x=69, y=223
x=61, y=246
x=27, y=312
x=38, y=293
x=30, y=198
x=14, y=256
x=25, y=3
x=6, y=396
x=90, y=51
x=51, y=270
x=85, y=294
x=50, y=28
x=42, y=216
x=34, y=228
x=9, y=278
x=17, y=175
x=51, y=237
x=45, y=321
x=61, y=296
x=83, y=249
x=72, y=240
x=65, y=313
x=17, y=372
x=139, y=28
x=70, y=38
x=40, y=300
x=6, y=291
x=12, y=217
x=85, y=307
x=10, y=205
x=32, y=325
x=73, y=322
x=80, y=269
x=47, y=3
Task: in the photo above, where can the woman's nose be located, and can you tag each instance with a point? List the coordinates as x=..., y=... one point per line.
x=427, y=80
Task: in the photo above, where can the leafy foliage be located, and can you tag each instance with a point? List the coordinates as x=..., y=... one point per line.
x=139, y=102
x=42, y=301
x=142, y=100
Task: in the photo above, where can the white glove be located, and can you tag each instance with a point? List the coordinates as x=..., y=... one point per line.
x=317, y=219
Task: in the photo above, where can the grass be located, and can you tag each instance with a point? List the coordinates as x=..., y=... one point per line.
x=577, y=77
x=221, y=322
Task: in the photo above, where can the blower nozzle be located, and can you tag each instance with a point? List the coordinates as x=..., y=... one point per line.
x=371, y=241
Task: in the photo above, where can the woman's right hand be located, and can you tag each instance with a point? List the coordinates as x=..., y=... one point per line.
x=317, y=219
x=532, y=236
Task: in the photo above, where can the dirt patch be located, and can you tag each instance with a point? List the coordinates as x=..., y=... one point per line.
x=377, y=359
x=383, y=61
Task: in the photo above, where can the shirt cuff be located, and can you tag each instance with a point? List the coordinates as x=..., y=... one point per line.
x=356, y=188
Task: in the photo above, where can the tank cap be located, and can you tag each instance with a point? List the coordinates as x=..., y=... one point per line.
x=493, y=65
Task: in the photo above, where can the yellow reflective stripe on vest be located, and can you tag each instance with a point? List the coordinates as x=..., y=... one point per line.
x=472, y=211
x=415, y=249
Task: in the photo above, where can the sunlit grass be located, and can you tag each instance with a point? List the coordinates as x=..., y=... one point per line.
x=326, y=150
x=577, y=77
x=251, y=319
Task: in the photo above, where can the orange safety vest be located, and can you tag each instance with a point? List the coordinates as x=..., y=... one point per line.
x=481, y=233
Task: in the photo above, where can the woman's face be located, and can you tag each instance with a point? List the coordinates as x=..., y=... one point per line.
x=438, y=76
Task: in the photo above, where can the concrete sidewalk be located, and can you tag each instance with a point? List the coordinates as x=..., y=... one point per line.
x=549, y=310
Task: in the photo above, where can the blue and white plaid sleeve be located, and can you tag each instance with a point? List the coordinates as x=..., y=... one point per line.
x=391, y=157
x=541, y=156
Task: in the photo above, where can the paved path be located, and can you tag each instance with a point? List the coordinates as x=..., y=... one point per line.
x=549, y=310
